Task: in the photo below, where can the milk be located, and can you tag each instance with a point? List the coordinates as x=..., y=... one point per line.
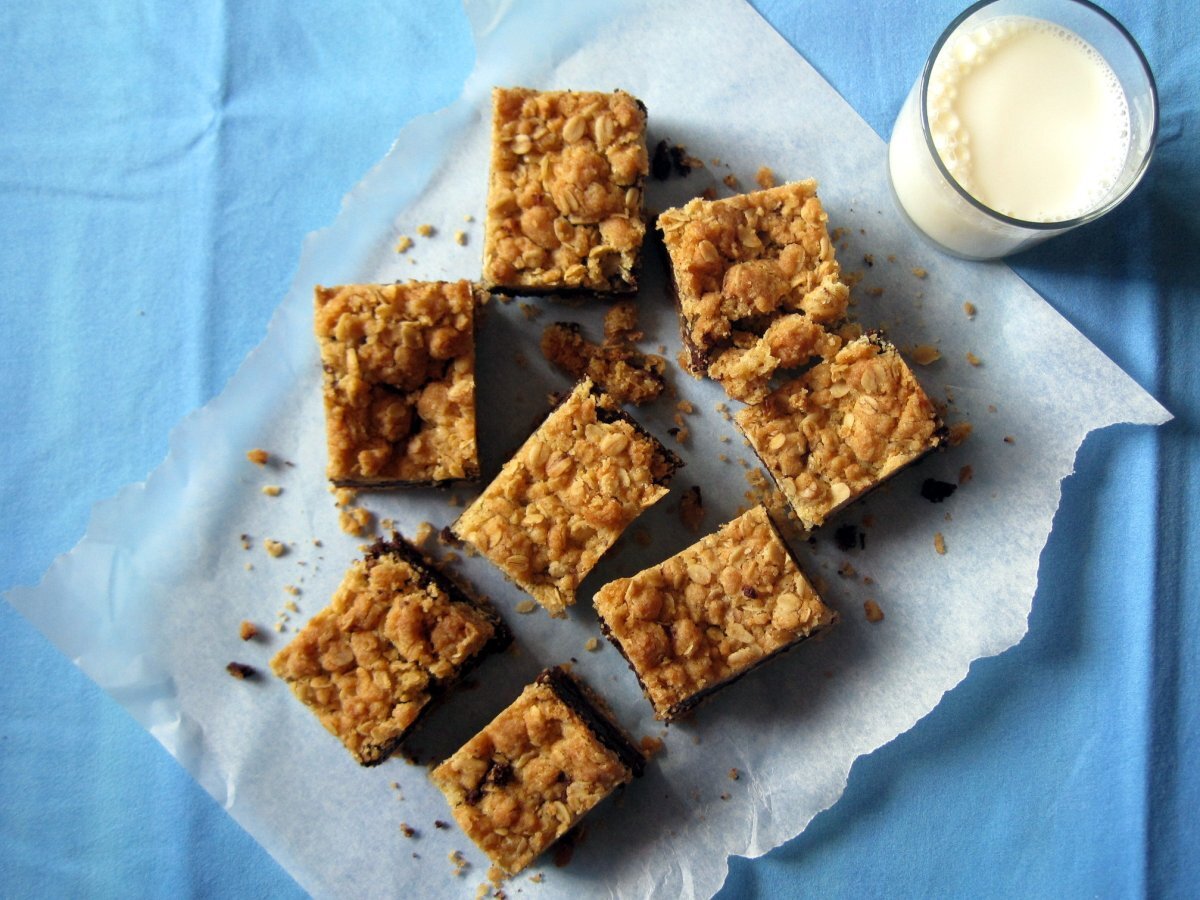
x=1028, y=118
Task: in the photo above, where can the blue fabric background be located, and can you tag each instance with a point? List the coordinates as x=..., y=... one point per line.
x=160, y=164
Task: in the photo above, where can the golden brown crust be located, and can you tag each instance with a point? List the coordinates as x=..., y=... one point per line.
x=565, y=191
x=618, y=368
x=394, y=634
x=566, y=496
x=710, y=613
x=738, y=266
x=836, y=432
x=399, y=385
x=529, y=776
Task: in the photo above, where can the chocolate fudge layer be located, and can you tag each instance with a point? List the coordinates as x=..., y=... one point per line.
x=396, y=634
x=564, y=207
x=399, y=384
x=711, y=613
x=566, y=496
x=536, y=769
x=843, y=427
x=757, y=285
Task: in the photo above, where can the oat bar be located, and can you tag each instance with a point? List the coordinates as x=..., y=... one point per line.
x=564, y=207
x=536, y=769
x=711, y=613
x=396, y=635
x=566, y=495
x=843, y=427
x=757, y=285
x=399, y=384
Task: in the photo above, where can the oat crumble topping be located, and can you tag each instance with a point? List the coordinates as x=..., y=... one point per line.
x=564, y=209
x=842, y=428
x=618, y=368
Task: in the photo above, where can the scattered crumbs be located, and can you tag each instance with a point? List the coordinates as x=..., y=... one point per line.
x=891, y=257
x=530, y=311
x=974, y=360
x=354, y=521
x=455, y=500
x=734, y=774
x=344, y=496
x=291, y=606
x=591, y=645
x=873, y=612
x=685, y=407
x=407, y=830
x=426, y=230
x=680, y=434
x=959, y=432
x=918, y=272
x=404, y=244
x=280, y=627
x=1009, y=439
x=716, y=160
x=440, y=825
x=691, y=509
x=874, y=292
x=272, y=490
x=925, y=354
x=730, y=182
x=723, y=457
x=249, y=567
x=458, y=861
x=248, y=631
x=765, y=177
x=725, y=795
x=837, y=234
x=423, y=533
x=241, y=671
x=258, y=456
x=275, y=548
x=724, y=439
x=965, y=474
x=939, y=543
x=317, y=542
x=743, y=463
x=468, y=218
x=387, y=524
x=245, y=539
x=869, y=259
x=448, y=538
x=460, y=238
x=537, y=878
x=969, y=309
x=526, y=606
x=650, y=746
x=847, y=570
x=936, y=491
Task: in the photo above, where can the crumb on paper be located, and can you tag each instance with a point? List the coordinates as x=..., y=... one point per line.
x=868, y=260
x=685, y=407
x=925, y=354
x=354, y=522
x=460, y=238
x=872, y=611
x=730, y=181
x=274, y=548
x=874, y=292
x=765, y=177
x=458, y=861
x=734, y=774
x=1009, y=439
x=258, y=456
x=247, y=631
x=974, y=360
x=725, y=795
x=965, y=474
x=440, y=824
x=537, y=878
x=245, y=541
x=591, y=645
x=407, y=830
x=691, y=509
x=650, y=746
x=530, y=311
x=919, y=272
x=423, y=533
x=272, y=490
x=241, y=671
x=970, y=309
x=426, y=230
x=404, y=244
x=847, y=570
x=939, y=543
x=468, y=218
x=344, y=496
x=525, y=607
x=959, y=432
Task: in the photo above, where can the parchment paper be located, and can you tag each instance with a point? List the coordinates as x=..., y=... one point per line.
x=149, y=603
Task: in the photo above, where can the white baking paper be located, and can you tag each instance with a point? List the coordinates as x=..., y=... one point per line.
x=149, y=602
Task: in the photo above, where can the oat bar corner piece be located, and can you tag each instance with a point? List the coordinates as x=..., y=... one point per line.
x=536, y=769
x=566, y=496
x=399, y=382
x=842, y=428
x=395, y=637
x=565, y=192
x=710, y=614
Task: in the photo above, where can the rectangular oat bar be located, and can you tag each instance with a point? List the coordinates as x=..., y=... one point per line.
x=711, y=613
x=564, y=208
x=399, y=383
x=566, y=495
x=396, y=635
x=536, y=769
x=757, y=285
x=843, y=427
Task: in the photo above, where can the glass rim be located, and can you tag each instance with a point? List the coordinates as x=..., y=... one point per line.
x=1062, y=224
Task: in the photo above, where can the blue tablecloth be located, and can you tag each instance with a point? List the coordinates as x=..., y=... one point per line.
x=160, y=164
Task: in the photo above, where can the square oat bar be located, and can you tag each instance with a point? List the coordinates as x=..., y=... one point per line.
x=757, y=285
x=564, y=208
x=566, y=496
x=396, y=635
x=843, y=427
x=711, y=613
x=536, y=769
x=399, y=384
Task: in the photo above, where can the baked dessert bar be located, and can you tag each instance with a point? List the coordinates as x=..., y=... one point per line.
x=757, y=285
x=399, y=384
x=564, y=207
x=566, y=495
x=536, y=769
x=711, y=613
x=397, y=634
x=621, y=370
x=843, y=427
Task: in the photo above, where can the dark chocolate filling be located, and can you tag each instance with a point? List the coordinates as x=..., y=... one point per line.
x=576, y=698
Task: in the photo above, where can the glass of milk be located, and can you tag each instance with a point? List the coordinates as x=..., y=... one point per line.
x=1031, y=117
